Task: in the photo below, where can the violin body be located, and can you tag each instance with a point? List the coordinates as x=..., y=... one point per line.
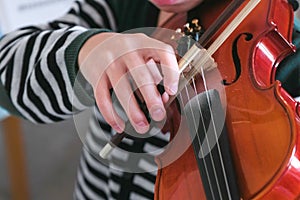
x=262, y=119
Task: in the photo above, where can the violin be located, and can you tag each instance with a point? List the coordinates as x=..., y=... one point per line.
x=254, y=152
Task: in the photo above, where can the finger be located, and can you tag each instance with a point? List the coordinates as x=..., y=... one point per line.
x=122, y=88
x=170, y=70
x=165, y=97
x=153, y=68
x=147, y=86
x=165, y=55
x=104, y=103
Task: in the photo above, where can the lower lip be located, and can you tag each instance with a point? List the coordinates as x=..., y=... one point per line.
x=164, y=2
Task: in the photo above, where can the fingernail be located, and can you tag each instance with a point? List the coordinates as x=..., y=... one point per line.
x=141, y=124
x=117, y=128
x=142, y=127
x=158, y=114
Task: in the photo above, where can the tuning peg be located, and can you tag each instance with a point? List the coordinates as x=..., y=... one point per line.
x=196, y=26
x=177, y=35
x=187, y=29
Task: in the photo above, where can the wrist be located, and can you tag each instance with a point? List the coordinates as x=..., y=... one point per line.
x=90, y=44
x=71, y=58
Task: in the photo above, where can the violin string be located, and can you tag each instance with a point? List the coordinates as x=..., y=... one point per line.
x=195, y=129
x=211, y=50
x=215, y=133
x=207, y=140
x=202, y=62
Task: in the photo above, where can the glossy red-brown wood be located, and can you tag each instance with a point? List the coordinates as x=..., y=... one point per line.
x=261, y=118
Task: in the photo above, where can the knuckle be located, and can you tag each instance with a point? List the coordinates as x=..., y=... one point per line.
x=153, y=102
x=135, y=117
x=140, y=35
x=103, y=105
x=109, y=120
x=143, y=75
x=112, y=68
x=168, y=49
x=104, y=109
x=102, y=102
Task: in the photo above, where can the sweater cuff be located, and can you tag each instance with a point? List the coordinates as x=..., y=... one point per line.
x=82, y=88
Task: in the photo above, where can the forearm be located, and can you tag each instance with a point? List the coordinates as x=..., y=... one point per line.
x=36, y=69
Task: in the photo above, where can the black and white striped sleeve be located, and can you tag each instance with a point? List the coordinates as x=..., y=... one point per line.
x=38, y=64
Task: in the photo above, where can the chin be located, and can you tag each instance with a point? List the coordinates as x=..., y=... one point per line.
x=175, y=9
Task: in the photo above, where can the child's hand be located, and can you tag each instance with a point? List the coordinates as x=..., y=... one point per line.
x=110, y=60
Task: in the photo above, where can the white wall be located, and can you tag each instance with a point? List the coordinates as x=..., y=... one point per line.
x=16, y=13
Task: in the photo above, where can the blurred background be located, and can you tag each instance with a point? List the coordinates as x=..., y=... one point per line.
x=51, y=156
x=36, y=161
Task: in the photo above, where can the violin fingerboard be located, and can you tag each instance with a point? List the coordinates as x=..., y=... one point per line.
x=206, y=121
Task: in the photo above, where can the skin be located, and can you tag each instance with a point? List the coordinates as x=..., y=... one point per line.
x=176, y=6
x=137, y=55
